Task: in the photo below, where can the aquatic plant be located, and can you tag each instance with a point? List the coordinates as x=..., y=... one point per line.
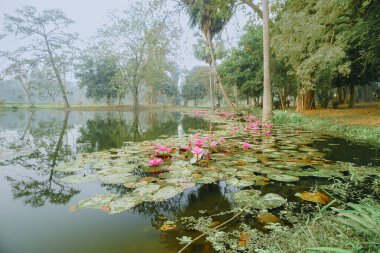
x=246, y=145
x=156, y=162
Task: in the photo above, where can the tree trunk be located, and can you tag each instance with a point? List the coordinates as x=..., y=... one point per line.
x=340, y=95
x=60, y=139
x=236, y=96
x=230, y=106
x=57, y=75
x=186, y=102
x=267, y=96
x=351, y=102
x=26, y=88
x=305, y=101
x=211, y=88
x=195, y=102
x=247, y=100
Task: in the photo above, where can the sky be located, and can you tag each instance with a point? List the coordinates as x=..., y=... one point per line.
x=89, y=15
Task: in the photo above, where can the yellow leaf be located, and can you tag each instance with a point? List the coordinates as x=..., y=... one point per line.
x=168, y=227
x=315, y=197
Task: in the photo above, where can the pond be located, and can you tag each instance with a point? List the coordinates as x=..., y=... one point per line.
x=37, y=206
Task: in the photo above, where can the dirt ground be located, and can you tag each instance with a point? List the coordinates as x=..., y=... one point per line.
x=363, y=114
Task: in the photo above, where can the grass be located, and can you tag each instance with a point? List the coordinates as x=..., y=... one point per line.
x=338, y=126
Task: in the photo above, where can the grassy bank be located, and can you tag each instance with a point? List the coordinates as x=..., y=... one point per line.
x=338, y=126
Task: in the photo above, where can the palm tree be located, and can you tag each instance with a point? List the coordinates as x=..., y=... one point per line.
x=202, y=15
x=202, y=53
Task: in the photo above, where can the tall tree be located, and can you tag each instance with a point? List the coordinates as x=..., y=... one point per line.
x=49, y=39
x=137, y=37
x=202, y=14
x=202, y=52
x=267, y=96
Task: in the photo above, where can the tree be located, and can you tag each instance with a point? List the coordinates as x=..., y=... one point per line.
x=202, y=14
x=21, y=69
x=195, y=85
x=49, y=40
x=244, y=66
x=99, y=74
x=267, y=96
x=139, y=38
x=202, y=52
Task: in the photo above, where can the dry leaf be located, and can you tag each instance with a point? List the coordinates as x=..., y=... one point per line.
x=315, y=197
x=243, y=240
x=168, y=227
x=267, y=218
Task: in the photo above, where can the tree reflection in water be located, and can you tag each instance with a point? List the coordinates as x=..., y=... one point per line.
x=118, y=127
x=48, y=149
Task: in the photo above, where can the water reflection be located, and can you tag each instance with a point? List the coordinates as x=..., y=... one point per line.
x=46, y=150
x=34, y=142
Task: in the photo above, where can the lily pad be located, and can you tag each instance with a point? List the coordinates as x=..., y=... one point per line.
x=253, y=199
x=123, y=204
x=165, y=193
x=147, y=189
x=118, y=178
x=97, y=201
x=283, y=178
x=80, y=179
x=240, y=183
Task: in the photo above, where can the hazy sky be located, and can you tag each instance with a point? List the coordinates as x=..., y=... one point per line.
x=91, y=14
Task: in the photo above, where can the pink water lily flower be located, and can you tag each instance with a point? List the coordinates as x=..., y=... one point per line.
x=196, y=136
x=187, y=147
x=207, y=138
x=162, y=148
x=213, y=144
x=268, y=133
x=156, y=161
x=235, y=128
x=270, y=125
x=169, y=149
x=222, y=140
x=198, y=142
x=246, y=145
x=197, y=151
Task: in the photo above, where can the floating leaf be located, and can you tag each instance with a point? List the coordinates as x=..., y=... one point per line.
x=266, y=217
x=283, y=178
x=97, y=201
x=80, y=179
x=118, y=178
x=168, y=227
x=315, y=197
x=165, y=193
x=123, y=204
x=253, y=199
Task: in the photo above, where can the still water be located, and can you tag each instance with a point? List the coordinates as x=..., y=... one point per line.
x=35, y=212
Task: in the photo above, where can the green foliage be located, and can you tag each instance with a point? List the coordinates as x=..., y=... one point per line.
x=99, y=74
x=244, y=66
x=196, y=82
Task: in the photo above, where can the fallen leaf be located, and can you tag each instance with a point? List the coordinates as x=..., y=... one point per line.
x=243, y=240
x=315, y=197
x=168, y=227
x=267, y=218
x=105, y=208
